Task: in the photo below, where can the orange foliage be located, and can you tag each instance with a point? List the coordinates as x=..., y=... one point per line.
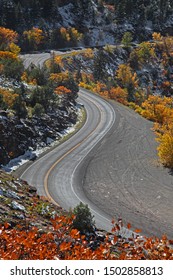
x=63, y=242
x=7, y=54
x=165, y=46
x=28, y=80
x=157, y=36
x=65, y=33
x=7, y=36
x=1, y=68
x=101, y=89
x=58, y=60
x=119, y=95
x=62, y=90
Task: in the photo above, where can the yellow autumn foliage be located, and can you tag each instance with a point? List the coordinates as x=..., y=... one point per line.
x=9, y=97
x=165, y=148
x=157, y=36
x=7, y=36
x=158, y=109
x=14, y=48
x=7, y=54
x=88, y=53
x=126, y=76
x=34, y=34
x=59, y=77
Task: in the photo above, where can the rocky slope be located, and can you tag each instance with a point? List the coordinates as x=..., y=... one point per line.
x=21, y=135
x=20, y=204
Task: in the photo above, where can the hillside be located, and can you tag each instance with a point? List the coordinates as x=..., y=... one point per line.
x=98, y=22
x=20, y=204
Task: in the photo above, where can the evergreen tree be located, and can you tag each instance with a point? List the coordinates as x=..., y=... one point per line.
x=20, y=107
x=99, y=69
x=84, y=220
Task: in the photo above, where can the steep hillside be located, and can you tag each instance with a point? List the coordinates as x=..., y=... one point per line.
x=99, y=22
x=142, y=18
x=90, y=18
x=20, y=204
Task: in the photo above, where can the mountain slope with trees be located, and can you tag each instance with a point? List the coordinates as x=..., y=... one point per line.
x=83, y=22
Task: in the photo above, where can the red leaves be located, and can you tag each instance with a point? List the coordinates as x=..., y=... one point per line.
x=61, y=90
x=129, y=226
x=65, y=242
x=137, y=230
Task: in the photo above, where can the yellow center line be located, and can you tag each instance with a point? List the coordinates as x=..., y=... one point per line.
x=61, y=158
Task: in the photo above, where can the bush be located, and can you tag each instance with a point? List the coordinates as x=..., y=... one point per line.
x=12, y=68
x=38, y=110
x=83, y=218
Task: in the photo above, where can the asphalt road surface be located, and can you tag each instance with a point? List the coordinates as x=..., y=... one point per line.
x=112, y=165
x=59, y=174
x=124, y=177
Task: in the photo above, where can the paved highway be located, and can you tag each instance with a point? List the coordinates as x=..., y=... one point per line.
x=59, y=174
x=112, y=165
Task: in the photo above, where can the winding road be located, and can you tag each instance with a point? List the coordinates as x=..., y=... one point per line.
x=59, y=174
x=111, y=164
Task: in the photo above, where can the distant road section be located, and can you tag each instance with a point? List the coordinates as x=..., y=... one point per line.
x=112, y=165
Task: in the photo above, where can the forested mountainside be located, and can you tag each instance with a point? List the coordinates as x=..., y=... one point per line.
x=98, y=22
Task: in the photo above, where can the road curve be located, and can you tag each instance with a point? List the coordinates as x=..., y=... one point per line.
x=112, y=165
x=59, y=174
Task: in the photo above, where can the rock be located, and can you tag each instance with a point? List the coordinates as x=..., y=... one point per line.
x=20, y=216
x=16, y=206
x=1, y=192
x=11, y=194
x=21, y=135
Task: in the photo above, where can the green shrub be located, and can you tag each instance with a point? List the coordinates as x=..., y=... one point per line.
x=83, y=221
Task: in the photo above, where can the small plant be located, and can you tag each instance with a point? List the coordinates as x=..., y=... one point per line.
x=83, y=220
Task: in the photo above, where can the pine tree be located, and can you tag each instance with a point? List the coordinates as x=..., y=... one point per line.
x=99, y=70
